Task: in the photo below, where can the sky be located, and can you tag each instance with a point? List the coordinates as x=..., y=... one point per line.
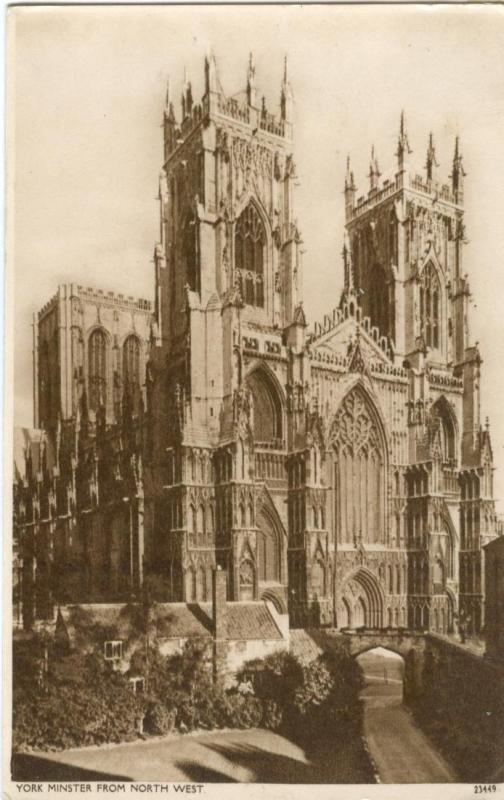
x=86, y=93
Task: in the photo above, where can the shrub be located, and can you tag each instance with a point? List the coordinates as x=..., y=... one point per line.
x=272, y=715
x=242, y=712
x=159, y=720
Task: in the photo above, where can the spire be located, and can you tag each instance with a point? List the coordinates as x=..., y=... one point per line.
x=349, y=176
x=167, y=96
x=431, y=158
x=169, y=113
x=458, y=173
x=374, y=170
x=212, y=83
x=347, y=264
x=286, y=99
x=403, y=148
x=349, y=188
x=187, y=100
x=251, y=87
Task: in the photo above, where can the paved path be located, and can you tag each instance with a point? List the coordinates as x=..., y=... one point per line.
x=399, y=749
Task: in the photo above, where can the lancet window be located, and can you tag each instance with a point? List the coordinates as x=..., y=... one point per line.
x=430, y=294
x=97, y=361
x=250, y=242
x=131, y=368
x=191, y=253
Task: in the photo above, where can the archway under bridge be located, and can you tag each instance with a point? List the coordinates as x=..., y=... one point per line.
x=383, y=673
x=410, y=645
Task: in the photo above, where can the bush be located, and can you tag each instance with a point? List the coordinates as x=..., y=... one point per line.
x=304, y=698
x=242, y=712
x=272, y=715
x=159, y=720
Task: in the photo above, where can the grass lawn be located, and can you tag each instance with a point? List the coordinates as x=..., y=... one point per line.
x=250, y=756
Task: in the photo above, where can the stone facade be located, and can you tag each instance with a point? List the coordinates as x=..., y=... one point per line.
x=343, y=474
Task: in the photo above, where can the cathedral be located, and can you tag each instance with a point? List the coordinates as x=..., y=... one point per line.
x=340, y=471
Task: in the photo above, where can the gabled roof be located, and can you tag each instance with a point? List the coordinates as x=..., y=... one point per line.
x=341, y=338
x=87, y=624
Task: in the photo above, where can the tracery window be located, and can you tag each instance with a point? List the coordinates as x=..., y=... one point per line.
x=359, y=471
x=131, y=370
x=250, y=241
x=97, y=369
x=131, y=363
x=430, y=293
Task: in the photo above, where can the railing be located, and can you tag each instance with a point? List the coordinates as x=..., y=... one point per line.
x=450, y=481
x=270, y=466
x=231, y=108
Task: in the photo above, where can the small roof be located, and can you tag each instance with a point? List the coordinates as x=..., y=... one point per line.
x=98, y=621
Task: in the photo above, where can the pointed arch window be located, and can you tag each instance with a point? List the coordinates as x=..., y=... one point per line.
x=359, y=451
x=247, y=579
x=430, y=293
x=97, y=369
x=267, y=410
x=191, y=253
x=250, y=242
x=131, y=369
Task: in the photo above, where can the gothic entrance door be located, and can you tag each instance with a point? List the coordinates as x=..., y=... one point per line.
x=360, y=603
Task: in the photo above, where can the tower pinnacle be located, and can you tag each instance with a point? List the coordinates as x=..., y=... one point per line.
x=403, y=148
x=349, y=188
x=458, y=173
x=251, y=87
x=431, y=158
x=374, y=170
x=286, y=100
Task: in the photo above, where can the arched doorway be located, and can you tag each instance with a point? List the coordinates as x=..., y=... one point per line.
x=361, y=601
x=383, y=671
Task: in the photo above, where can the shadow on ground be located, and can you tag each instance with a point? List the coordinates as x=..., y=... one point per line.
x=27, y=767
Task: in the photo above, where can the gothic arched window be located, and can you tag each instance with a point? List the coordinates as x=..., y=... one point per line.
x=191, y=253
x=131, y=369
x=131, y=363
x=445, y=429
x=267, y=409
x=359, y=470
x=97, y=369
x=380, y=310
x=250, y=241
x=430, y=293
x=318, y=578
x=247, y=578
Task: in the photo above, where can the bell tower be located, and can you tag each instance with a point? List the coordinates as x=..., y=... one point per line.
x=405, y=238
x=228, y=276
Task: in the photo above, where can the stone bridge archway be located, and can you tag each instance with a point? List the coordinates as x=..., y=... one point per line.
x=410, y=645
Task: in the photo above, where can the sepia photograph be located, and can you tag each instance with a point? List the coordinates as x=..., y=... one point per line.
x=254, y=436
